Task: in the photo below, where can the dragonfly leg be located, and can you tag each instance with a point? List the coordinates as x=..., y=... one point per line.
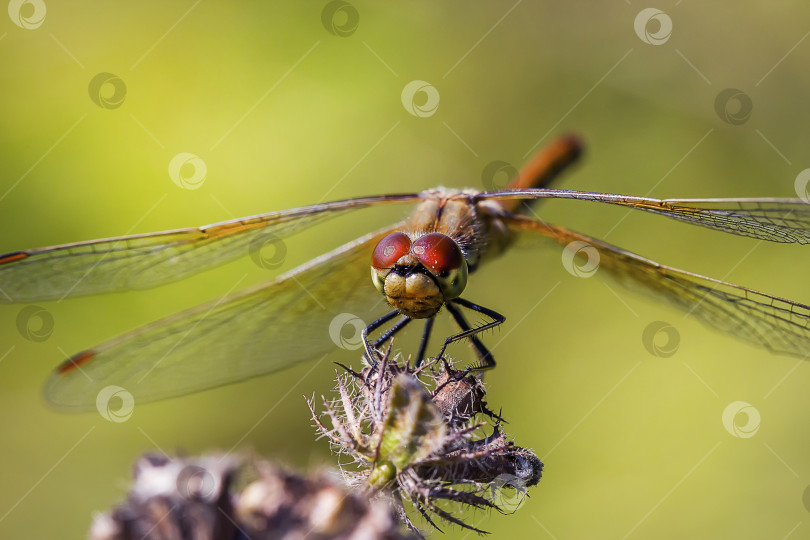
x=420, y=356
x=370, y=355
x=487, y=362
x=483, y=353
x=392, y=331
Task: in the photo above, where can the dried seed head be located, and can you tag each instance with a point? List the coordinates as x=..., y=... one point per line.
x=459, y=397
x=281, y=504
x=417, y=440
x=170, y=500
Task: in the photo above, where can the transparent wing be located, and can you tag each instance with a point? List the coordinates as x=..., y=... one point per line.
x=302, y=315
x=774, y=323
x=146, y=260
x=775, y=220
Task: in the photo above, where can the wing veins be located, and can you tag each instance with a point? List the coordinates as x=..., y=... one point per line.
x=257, y=330
x=772, y=219
x=150, y=259
x=775, y=323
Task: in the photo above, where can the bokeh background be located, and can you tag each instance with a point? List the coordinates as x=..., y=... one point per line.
x=287, y=106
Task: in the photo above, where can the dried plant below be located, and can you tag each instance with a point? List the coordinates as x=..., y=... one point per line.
x=413, y=435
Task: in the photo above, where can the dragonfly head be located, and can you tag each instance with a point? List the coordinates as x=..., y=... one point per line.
x=418, y=277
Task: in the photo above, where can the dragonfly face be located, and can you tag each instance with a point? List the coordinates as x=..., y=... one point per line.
x=418, y=276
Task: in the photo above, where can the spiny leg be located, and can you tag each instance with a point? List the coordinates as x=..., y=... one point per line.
x=480, y=350
x=392, y=331
x=370, y=356
x=420, y=356
x=496, y=317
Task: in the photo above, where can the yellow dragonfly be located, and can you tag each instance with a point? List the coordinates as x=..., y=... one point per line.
x=420, y=265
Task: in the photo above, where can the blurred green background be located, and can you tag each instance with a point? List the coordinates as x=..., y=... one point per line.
x=285, y=113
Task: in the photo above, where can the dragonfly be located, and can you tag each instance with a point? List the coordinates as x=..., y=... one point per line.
x=420, y=266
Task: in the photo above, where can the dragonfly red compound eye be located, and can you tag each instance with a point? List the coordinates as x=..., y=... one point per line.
x=390, y=249
x=438, y=253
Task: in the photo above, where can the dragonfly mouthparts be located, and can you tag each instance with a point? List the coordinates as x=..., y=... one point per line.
x=408, y=264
